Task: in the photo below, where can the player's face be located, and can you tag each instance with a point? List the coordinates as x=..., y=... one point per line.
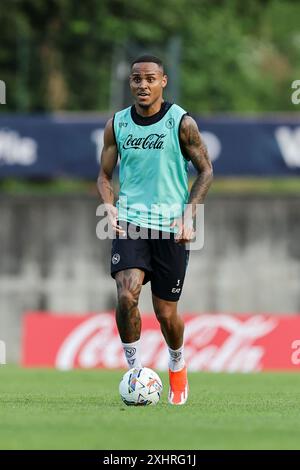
x=147, y=82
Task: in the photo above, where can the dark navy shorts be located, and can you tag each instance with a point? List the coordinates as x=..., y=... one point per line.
x=163, y=261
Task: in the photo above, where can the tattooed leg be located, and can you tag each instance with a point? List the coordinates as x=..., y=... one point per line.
x=129, y=285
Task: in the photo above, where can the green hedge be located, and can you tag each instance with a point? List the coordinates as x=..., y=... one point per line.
x=235, y=55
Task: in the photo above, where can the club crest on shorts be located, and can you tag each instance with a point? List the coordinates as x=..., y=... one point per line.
x=115, y=258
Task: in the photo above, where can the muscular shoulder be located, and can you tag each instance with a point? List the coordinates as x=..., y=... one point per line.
x=109, y=133
x=193, y=145
x=189, y=132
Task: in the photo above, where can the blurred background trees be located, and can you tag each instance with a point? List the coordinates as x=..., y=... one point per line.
x=236, y=56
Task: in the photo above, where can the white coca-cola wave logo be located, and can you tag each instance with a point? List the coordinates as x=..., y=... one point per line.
x=212, y=342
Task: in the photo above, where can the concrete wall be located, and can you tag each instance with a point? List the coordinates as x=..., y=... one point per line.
x=50, y=259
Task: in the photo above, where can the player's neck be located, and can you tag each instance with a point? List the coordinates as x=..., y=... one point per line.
x=151, y=110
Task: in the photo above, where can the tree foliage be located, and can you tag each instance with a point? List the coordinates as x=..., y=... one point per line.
x=235, y=55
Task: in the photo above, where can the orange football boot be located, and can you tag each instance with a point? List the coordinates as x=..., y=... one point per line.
x=179, y=387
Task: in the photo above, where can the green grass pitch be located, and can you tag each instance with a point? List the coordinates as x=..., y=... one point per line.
x=48, y=409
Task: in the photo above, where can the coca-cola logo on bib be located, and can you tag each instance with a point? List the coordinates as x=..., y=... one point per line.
x=152, y=141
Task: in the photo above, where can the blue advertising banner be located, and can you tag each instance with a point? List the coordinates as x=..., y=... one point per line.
x=56, y=146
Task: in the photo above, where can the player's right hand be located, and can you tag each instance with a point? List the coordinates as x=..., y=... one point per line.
x=112, y=213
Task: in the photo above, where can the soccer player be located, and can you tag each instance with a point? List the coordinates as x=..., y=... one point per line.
x=155, y=141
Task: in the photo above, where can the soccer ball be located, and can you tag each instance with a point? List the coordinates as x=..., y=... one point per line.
x=140, y=387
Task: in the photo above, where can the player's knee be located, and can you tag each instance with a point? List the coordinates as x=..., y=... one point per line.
x=165, y=315
x=127, y=300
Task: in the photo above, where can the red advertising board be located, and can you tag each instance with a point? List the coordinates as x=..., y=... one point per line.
x=213, y=342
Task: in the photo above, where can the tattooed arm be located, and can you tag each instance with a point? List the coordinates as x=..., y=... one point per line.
x=194, y=149
x=109, y=158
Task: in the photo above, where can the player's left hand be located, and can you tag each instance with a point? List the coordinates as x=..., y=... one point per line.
x=185, y=230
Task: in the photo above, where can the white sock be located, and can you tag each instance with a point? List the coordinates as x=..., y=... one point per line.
x=176, y=359
x=132, y=354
